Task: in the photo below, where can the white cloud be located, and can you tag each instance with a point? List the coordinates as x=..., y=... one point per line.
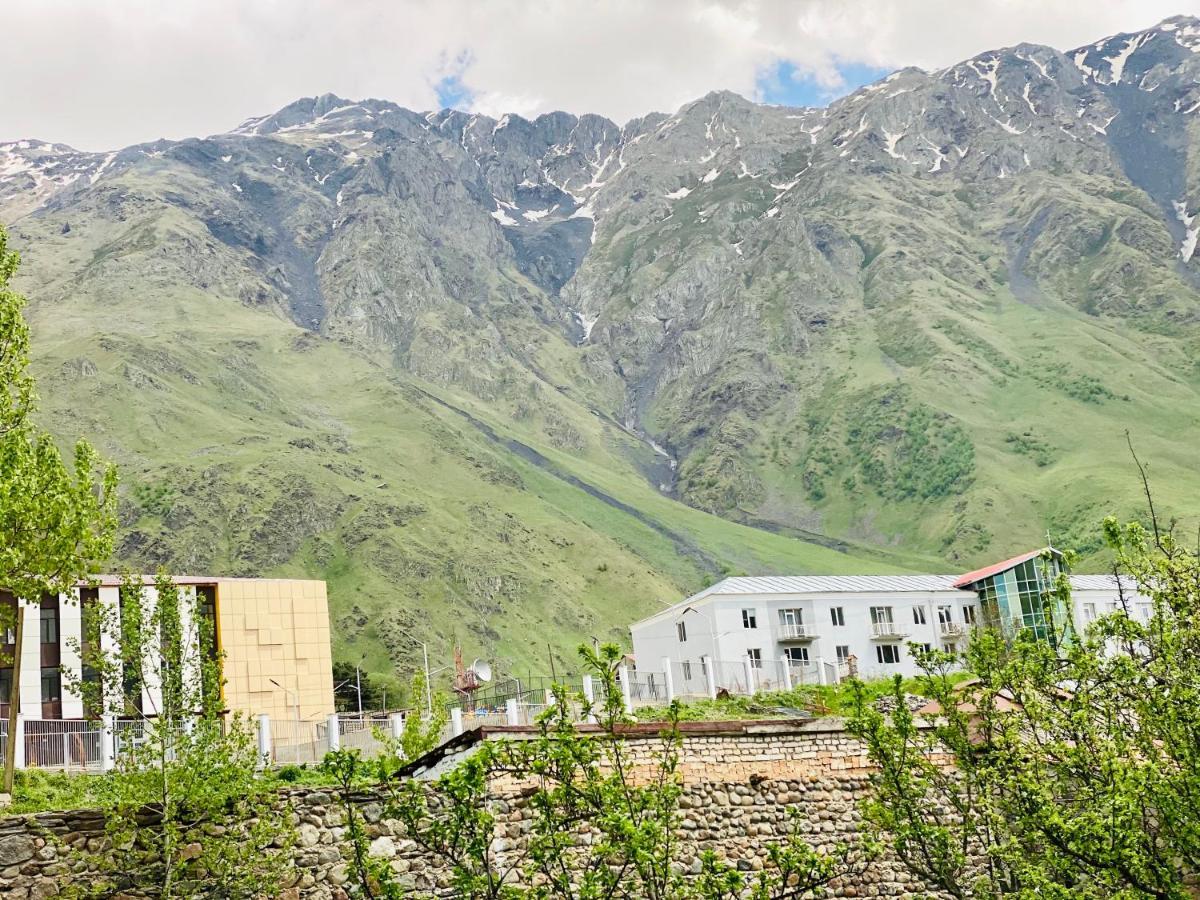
x=103, y=75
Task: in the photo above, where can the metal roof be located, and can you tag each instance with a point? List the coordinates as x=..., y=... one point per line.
x=1100, y=583
x=965, y=581
x=821, y=584
x=851, y=584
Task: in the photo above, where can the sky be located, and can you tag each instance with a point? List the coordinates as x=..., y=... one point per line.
x=103, y=74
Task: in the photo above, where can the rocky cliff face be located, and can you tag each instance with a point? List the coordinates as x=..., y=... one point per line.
x=919, y=319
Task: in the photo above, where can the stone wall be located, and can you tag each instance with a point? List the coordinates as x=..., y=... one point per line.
x=741, y=781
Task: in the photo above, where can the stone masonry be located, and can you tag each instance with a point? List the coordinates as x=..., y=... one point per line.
x=741, y=780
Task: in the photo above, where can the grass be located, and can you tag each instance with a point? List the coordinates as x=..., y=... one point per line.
x=815, y=700
x=37, y=790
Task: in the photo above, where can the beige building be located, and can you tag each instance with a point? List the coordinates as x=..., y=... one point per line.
x=273, y=633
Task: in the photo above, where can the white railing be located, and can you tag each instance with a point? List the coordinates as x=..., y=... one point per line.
x=298, y=742
x=888, y=630
x=795, y=631
x=951, y=629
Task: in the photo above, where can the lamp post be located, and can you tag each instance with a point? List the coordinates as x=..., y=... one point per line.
x=286, y=691
x=425, y=655
x=712, y=629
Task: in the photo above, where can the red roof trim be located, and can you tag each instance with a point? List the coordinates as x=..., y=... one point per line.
x=965, y=581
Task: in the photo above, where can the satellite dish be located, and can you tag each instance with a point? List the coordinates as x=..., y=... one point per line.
x=482, y=670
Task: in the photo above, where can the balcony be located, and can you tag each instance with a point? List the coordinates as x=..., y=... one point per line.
x=952, y=629
x=887, y=631
x=796, y=631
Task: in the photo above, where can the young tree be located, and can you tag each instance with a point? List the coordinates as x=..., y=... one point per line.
x=602, y=822
x=1058, y=772
x=187, y=812
x=56, y=519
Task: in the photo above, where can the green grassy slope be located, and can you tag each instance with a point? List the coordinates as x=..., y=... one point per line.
x=248, y=446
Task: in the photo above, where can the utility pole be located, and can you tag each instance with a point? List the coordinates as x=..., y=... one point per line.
x=358, y=684
x=428, y=689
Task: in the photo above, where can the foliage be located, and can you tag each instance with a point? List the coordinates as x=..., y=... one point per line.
x=347, y=681
x=814, y=699
x=905, y=449
x=56, y=519
x=1068, y=773
x=601, y=823
x=187, y=813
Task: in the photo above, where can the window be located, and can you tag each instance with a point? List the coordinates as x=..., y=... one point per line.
x=843, y=652
x=686, y=665
x=838, y=616
x=969, y=615
x=1089, y=613
x=951, y=647
x=49, y=626
x=882, y=624
x=749, y=618
x=945, y=615
x=791, y=617
x=1145, y=611
x=755, y=657
x=796, y=654
x=926, y=648
x=889, y=654
x=681, y=631
x=918, y=615
x=51, y=685
x=5, y=685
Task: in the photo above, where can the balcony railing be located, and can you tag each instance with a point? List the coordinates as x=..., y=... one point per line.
x=951, y=629
x=795, y=631
x=887, y=630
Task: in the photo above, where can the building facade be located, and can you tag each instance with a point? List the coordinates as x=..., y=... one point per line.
x=821, y=627
x=273, y=635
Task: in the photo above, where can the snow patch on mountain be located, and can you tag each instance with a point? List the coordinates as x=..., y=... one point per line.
x=1191, y=233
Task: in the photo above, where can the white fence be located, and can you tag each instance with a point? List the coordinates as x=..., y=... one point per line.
x=82, y=746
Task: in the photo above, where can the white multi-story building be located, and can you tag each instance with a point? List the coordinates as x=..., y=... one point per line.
x=809, y=628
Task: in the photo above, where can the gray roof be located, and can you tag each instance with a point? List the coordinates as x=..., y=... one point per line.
x=1100, y=582
x=866, y=584
x=821, y=584
x=852, y=584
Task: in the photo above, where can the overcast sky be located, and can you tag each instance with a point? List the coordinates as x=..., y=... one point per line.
x=101, y=74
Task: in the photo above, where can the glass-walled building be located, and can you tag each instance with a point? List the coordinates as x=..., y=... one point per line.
x=1015, y=595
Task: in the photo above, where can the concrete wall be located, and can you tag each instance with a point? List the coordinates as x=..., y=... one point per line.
x=715, y=627
x=741, y=785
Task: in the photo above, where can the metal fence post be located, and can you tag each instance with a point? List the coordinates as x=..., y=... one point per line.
x=264, y=739
x=108, y=743
x=749, y=664
x=589, y=694
x=668, y=678
x=626, y=688
x=456, y=725
x=513, y=710
x=333, y=728
x=710, y=676
x=787, y=672
x=396, y=721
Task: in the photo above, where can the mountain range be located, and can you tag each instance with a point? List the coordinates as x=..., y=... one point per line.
x=511, y=383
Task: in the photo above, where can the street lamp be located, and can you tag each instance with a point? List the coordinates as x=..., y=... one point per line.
x=292, y=693
x=425, y=654
x=712, y=629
